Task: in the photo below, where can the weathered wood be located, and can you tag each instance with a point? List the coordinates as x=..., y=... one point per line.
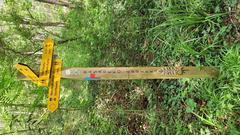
x=129, y=73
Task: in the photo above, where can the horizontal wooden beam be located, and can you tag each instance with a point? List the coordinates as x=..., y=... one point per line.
x=130, y=73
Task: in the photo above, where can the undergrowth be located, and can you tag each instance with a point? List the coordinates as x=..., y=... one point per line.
x=144, y=33
x=154, y=33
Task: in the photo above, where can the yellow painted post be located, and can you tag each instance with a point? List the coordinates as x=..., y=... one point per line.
x=46, y=62
x=27, y=72
x=54, y=88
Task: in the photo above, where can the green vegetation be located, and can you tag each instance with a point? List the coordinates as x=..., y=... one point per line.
x=124, y=33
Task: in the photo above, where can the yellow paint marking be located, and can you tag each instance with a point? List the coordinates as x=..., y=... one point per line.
x=46, y=62
x=54, y=88
x=25, y=70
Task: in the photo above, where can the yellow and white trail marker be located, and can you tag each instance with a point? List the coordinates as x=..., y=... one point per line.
x=46, y=62
x=54, y=88
x=28, y=72
x=51, y=73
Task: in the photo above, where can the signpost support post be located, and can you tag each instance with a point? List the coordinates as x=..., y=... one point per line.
x=51, y=73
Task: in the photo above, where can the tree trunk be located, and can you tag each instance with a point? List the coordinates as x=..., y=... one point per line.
x=21, y=131
x=57, y=2
x=4, y=48
x=45, y=24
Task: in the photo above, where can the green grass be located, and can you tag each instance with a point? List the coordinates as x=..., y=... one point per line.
x=151, y=33
x=143, y=33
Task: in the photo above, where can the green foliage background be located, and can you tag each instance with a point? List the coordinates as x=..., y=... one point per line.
x=124, y=33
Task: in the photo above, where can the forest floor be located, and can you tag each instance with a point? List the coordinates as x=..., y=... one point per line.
x=151, y=33
x=136, y=33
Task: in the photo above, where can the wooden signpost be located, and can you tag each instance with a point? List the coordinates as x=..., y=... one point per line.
x=50, y=73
